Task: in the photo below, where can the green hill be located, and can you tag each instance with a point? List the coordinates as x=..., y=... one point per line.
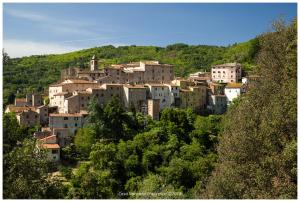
x=35, y=73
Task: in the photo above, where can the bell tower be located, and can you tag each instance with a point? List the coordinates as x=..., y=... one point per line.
x=94, y=63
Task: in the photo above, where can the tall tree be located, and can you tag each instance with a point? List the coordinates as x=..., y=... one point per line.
x=25, y=174
x=258, y=147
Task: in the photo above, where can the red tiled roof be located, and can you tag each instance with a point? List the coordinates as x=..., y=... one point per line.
x=48, y=137
x=50, y=146
x=21, y=99
x=66, y=115
x=134, y=86
x=16, y=109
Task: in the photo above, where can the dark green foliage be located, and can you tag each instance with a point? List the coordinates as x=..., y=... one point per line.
x=69, y=154
x=163, y=159
x=25, y=174
x=111, y=122
x=84, y=139
x=258, y=150
x=12, y=132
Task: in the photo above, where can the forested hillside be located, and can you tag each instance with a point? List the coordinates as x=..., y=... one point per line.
x=248, y=153
x=35, y=73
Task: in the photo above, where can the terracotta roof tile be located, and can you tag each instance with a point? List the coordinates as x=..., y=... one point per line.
x=65, y=115
x=50, y=146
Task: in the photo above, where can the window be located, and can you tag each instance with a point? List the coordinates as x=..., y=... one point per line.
x=54, y=151
x=223, y=72
x=45, y=110
x=214, y=71
x=65, y=118
x=101, y=94
x=75, y=124
x=66, y=126
x=82, y=105
x=36, y=116
x=27, y=116
x=97, y=95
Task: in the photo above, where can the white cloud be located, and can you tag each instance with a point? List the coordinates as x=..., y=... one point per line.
x=26, y=15
x=54, y=23
x=20, y=48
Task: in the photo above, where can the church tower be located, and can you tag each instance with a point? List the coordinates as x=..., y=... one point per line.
x=94, y=63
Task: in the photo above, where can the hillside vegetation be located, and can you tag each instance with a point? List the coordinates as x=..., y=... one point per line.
x=248, y=153
x=35, y=73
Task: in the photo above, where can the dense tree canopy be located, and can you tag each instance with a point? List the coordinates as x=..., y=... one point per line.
x=26, y=174
x=165, y=158
x=258, y=146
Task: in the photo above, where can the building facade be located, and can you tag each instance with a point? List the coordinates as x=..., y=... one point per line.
x=226, y=73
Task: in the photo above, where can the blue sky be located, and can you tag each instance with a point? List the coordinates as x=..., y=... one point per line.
x=56, y=28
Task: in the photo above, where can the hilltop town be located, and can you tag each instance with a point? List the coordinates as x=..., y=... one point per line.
x=147, y=87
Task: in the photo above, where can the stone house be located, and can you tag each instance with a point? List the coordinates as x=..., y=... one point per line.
x=226, y=73
x=68, y=121
x=20, y=102
x=217, y=104
x=153, y=108
x=51, y=145
x=28, y=117
x=160, y=92
x=135, y=96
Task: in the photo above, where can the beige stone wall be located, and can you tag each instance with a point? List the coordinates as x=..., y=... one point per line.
x=54, y=90
x=71, y=104
x=44, y=114
x=69, y=121
x=153, y=108
x=134, y=97
x=36, y=100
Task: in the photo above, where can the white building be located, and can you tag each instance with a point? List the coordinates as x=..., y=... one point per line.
x=232, y=91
